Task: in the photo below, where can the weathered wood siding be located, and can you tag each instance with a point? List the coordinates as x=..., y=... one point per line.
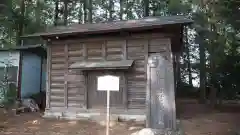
x=136, y=78
x=57, y=76
x=98, y=99
x=76, y=79
x=69, y=86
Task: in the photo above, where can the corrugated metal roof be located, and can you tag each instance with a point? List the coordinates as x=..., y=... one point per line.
x=124, y=64
x=147, y=23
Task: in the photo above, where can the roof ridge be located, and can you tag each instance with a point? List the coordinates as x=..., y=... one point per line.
x=113, y=26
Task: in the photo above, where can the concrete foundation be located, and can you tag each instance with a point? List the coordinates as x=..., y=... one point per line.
x=93, y=115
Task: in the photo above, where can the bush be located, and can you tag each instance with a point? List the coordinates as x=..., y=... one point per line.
x=8, y=95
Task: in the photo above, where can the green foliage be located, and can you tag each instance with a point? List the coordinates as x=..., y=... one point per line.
x=212, y=40
x=8, y=90
x=8, y=95
x=187, y=91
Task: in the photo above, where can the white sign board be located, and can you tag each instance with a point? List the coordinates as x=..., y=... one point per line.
x=108, y=83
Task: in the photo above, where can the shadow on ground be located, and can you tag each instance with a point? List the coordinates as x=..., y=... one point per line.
x=199, y=119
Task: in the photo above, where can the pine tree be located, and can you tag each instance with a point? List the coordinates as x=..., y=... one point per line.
x=146, y=8
x=65, y=16
x=90, y=11
x=20, y=23
x=56, y=16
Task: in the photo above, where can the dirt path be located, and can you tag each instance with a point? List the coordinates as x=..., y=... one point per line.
x=196, y=120
x=33, y=124
x=201, y=120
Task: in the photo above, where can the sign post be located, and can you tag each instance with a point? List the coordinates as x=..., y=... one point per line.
x=108, y=112
x=108, y=83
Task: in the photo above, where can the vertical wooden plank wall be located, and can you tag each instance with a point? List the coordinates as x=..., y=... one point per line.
x=69, y=86
x=76, y=79
x=57, y=73
x=136, y=78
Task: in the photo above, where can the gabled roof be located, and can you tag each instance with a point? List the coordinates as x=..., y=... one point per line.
x=128, y=25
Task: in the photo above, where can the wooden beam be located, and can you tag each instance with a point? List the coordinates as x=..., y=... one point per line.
x=86, y=90
x=41, y=70
x=125, y=92
x=124, y=50
x=40, y=87
x=146, y=47
x=125, y=89
x=48, y=80
x=19, y=83
x=65, y=76
x=84, y=51
x=117, y=37
x=86, y=77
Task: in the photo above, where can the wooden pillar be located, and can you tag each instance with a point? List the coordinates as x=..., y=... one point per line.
x=84, y=49
x=48, y=78
x=66, y=76
x=40, y=87
x=19, y=83
x=125, y=89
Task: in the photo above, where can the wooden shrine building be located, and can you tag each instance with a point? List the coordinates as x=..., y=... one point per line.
x=139, y=51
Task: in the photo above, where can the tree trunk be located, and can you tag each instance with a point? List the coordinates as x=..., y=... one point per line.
x=65, y=15
x=175, y=73
x=178, y=71
x=90, y=11
x=202, y=73
x=85, y=11
x=221, y=96
x=213, y=80
x=121, y=9
x=56, y=17
x=146, y=8
x=154, y=8
x=188, y=58
x=80, y=12
x=202, y=65
x=37, y=13
x=21, y=23
x=127, y=9
x=111, y=5
x=213, y=90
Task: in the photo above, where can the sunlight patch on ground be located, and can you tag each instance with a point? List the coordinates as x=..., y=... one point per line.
x=72, y=123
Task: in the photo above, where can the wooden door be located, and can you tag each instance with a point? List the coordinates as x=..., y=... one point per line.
x=162, y=98
x=98, y=99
